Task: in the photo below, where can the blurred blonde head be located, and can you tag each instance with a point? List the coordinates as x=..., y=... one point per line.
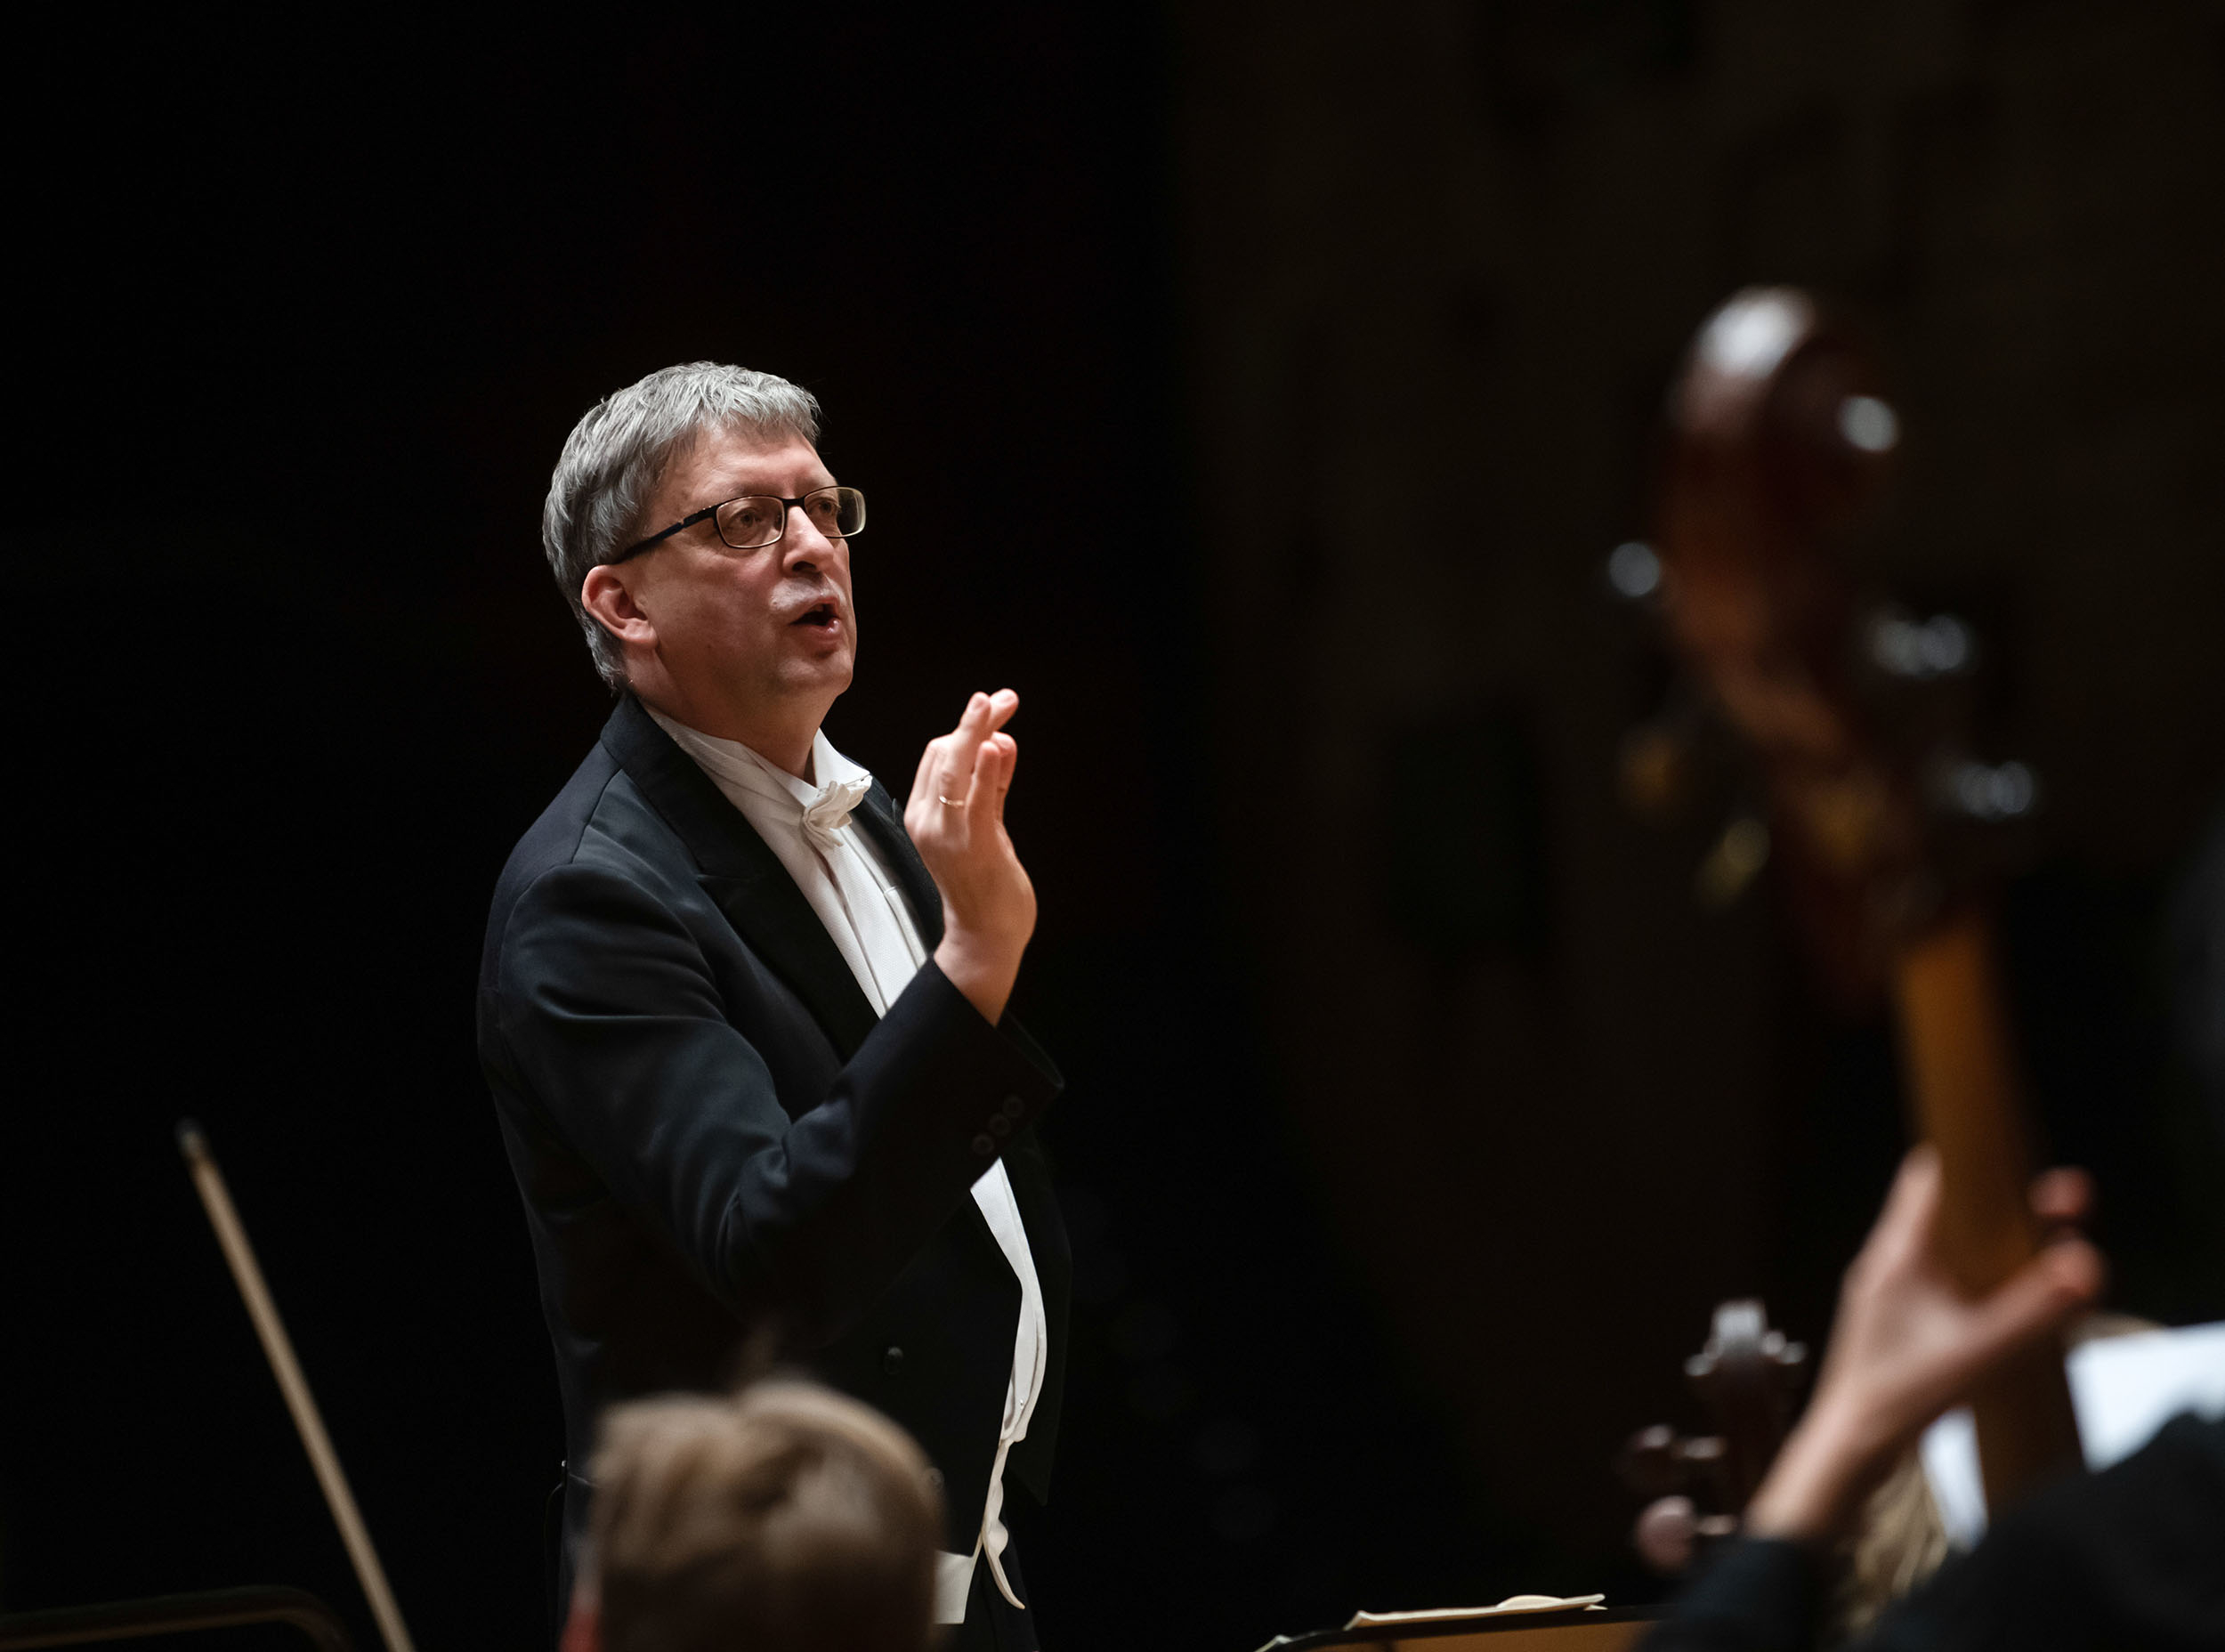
x=787, y=1517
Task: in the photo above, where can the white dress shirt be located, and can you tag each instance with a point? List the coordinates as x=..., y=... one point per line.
x=808, y=827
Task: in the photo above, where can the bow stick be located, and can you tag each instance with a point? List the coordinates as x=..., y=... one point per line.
x=209, y=1181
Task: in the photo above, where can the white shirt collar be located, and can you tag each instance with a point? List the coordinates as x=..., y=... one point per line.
x=737, y=764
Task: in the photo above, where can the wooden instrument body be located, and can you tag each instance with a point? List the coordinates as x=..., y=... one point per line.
x=1960, y=1065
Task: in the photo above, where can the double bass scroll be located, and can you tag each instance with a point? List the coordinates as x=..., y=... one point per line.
x=1780, y=437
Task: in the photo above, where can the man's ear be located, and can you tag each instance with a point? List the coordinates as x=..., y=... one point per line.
x=604, y=595
x=583, y=1630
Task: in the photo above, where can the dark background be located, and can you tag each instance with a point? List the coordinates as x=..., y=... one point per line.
x=1416, y=1115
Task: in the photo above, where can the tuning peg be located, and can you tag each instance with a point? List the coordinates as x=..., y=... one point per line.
x=1650, y=1462
x=1788, y=1361
x=1992, y=793
x=1921, y=650
x=1733, y=864
x=1869, y=424
x=1634, y=570
x=1656, y=768
x=1742, y=1331
x=1669, y=1530
x=1702, y=1452
x=1666, y=1536
x=1738, y=1325
x=1656, y=1460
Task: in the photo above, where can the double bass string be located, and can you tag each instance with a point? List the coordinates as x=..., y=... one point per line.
x=279, y=1348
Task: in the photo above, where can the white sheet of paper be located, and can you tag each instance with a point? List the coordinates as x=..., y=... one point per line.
x=1513, y=1606
x=2124, y=1389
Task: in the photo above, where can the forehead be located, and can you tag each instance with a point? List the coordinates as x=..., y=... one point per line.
x=727, y=460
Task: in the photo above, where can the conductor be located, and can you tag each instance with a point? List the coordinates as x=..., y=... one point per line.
x=744, y=1023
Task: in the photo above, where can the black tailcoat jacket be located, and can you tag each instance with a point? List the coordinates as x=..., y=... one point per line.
x=720, y=1145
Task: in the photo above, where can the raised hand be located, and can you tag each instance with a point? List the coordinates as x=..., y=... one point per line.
x=955, y=815
x=1907, y=1344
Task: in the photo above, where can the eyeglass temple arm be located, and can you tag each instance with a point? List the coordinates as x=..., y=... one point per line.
x=659, y=537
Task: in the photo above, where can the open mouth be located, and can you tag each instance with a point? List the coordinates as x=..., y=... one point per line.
x=818, y=614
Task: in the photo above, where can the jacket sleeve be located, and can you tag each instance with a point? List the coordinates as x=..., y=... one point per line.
x=1757, y=1595
x=2126, y=1557
x=616, y=1028
x=2132, y=1557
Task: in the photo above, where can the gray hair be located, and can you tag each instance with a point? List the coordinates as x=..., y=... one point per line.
x=615, y=455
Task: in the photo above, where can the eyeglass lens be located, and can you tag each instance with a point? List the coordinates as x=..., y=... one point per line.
x=746, y=524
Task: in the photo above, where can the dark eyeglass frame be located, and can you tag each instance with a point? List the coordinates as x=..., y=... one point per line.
x=709, y=513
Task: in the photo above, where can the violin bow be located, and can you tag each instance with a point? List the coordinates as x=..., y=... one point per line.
x=279, y=1348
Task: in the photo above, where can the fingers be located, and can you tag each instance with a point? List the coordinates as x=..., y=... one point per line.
x=1911, y=1210
x=983, y=794
x=942, y=766
x=2062, y=1196
x=2077, y=1271
x=951, y=762
x=972, y=764
x=985, y=714
x=2039, y=1298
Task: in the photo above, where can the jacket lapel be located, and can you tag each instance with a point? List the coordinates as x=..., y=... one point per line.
x=884, y=823
x=739, y=870
x=1029, y=1167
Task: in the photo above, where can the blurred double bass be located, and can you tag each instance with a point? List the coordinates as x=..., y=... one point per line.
x=1779, y=437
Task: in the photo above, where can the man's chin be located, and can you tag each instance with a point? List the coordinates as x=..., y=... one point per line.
x=826, y=674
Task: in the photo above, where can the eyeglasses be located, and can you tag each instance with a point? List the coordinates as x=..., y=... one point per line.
x=756, y=520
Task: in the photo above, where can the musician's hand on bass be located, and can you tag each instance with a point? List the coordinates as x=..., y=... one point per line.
x=1906, y=1345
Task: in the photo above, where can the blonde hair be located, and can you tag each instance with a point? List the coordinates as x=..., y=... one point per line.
x=1901, y=1542
x=1902, y=1539
x=788, y=1517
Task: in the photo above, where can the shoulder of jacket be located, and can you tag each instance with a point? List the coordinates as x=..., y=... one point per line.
x=599, y=842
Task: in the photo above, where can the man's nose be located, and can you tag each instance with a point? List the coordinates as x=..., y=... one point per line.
x=803, y=546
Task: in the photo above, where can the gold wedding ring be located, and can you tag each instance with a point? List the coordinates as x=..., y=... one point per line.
x=950, y=803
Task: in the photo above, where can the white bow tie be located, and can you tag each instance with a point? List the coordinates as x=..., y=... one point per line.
x=830, y=809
